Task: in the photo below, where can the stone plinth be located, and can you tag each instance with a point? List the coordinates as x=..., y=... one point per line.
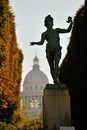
x=56, y=106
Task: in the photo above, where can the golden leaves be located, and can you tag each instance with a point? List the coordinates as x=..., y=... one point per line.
x=10, y=62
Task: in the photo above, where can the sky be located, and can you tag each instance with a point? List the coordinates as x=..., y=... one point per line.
x=29, y=21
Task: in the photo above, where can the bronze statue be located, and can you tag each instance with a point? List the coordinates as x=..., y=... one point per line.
x=53, y=48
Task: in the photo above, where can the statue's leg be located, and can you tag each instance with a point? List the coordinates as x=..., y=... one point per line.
x=50, y=59
x=56, y=69
x=51, y=64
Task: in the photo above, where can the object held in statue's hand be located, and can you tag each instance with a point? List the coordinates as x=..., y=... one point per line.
x=69, y=19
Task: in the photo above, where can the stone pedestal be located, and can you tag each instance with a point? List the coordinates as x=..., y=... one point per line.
x=56, y=106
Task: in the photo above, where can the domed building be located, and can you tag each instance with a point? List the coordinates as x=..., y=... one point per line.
x=34, y=83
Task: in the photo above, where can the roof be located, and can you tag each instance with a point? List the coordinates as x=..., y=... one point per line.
x=35, y=77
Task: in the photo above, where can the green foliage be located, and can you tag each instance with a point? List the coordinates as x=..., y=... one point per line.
x=4, y=126
x=10, y=65
x=22, y=123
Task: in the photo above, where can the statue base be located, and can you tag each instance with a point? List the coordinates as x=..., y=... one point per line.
x=56, y=107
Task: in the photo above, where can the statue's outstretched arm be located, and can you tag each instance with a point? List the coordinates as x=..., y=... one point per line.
x=40, y=42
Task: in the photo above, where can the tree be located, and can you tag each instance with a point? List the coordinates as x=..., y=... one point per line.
x=10, y=64
x=74, y=68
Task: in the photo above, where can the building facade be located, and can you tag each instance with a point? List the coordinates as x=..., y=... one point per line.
x=34, y=83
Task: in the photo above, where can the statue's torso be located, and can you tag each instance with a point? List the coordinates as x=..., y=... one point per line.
x=52, y=37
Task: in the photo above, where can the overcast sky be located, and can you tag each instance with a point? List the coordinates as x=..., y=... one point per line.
x=29, y=20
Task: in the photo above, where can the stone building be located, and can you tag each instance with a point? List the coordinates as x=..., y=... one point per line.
x=34, y=83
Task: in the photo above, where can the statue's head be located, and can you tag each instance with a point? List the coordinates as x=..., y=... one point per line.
x=47, y=20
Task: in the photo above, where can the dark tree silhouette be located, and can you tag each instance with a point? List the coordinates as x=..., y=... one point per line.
x=73, y=69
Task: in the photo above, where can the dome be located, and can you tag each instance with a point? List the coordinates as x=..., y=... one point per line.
x=35, y=77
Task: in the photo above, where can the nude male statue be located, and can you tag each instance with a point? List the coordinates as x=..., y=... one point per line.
x=53, y=48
